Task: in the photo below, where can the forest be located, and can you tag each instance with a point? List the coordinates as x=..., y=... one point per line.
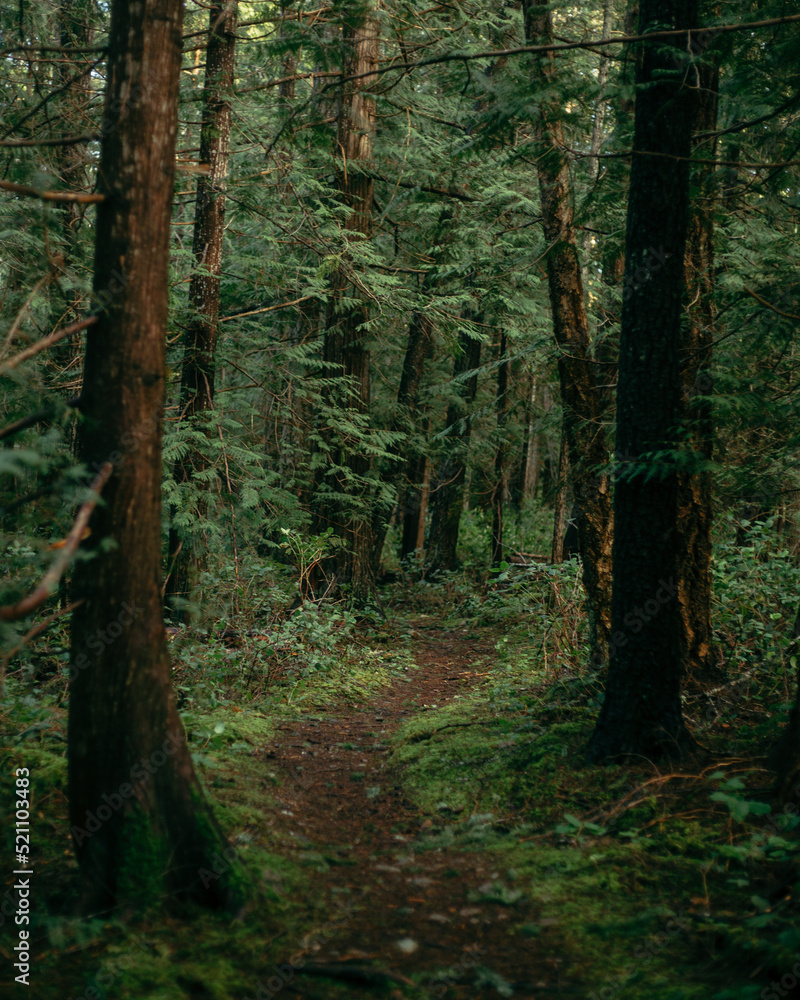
x=400, y=499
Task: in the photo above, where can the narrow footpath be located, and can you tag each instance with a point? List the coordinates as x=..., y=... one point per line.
x=396, y=909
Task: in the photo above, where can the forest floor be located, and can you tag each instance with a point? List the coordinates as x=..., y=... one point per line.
x=398, y=909
x=410, y=805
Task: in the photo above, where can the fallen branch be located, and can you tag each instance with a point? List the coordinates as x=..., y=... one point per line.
x=37, y=597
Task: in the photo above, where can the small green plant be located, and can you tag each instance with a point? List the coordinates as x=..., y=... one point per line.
x=308, y=553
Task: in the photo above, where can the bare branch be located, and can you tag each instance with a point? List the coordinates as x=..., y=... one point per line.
x=36, y=630
x=769, y=305
x=266, y=309
x=37, y=597
x=67, y=140
x=46, y=342
x=693, y=34
x=53, y=93
x=80, y=197
x=35, y=418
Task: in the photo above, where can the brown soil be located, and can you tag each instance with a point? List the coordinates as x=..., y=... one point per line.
x=381, y=894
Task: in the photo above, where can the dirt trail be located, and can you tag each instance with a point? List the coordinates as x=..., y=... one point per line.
x=391, y=907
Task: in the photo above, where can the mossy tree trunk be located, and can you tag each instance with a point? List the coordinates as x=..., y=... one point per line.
x=560, y=500
x=531, y=465
x=695, y=486
x=186, y=557
x=580, y=389
x=641, y=713
x=139, y=820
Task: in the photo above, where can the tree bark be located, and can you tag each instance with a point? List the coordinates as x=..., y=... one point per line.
x=642, y=713
x=447, y=495
x=600, y=107
x=418, y=351
x=560, y=500
x=695, y=484
x=139, y=819
x=500, y=492
x=531, y=468
x=346, y=502
x=187, y=558
x=414, y=520
x=580, y=391
x=786, y=755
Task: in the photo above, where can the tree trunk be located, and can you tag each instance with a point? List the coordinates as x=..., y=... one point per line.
x=418, y=351
x=560, y=501
x=414, y=519
x=786, y=755
x=500, y=492
x=186, y=557
x=695, y=485
x=407, y=476
x=600, y=107
x=139, y=819
x=642, y=713
x=346, y=502
x=532, y=443
x=447, y=496
x=580, y=392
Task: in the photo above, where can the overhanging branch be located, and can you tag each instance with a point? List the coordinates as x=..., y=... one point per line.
x=37, y=597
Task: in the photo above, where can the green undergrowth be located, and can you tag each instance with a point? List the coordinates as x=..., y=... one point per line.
x=304, y=660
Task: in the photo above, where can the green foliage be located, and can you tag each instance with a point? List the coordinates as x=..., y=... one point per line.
x=455, y=235
x=755, y=588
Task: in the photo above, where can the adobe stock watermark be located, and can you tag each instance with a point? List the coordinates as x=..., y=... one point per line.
x=635, y=620
x=643, y=953
x=286, y=971
x=110, y=972
x=652, y=261
x=697, y=43
x=778, y=989
x=104, y=637
x=140, y=773
x=103, y=298
x=469, y=960
x=116, y=110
